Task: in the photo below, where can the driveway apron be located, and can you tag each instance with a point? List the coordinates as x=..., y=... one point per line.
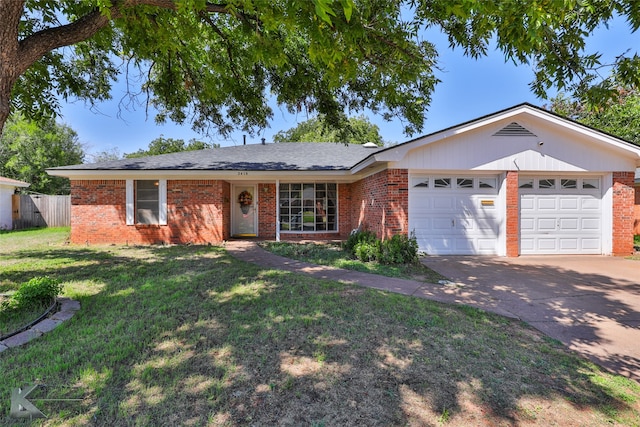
x=590, y=303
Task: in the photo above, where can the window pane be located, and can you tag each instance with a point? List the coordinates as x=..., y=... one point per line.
x=309, y=207
x=591, y=183
x=442, y=183
x=547, y=183
x=465, y=183
x=422, y=183
x=569, y=183
x=147, y=202
x=487, y=183
x=525, y=183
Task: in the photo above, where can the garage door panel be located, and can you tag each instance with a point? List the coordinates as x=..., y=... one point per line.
x=527, y=203
x=560, y=220
x=569, y=203
x=547, y=204
x=590, y=245
x=568, y=224
x=527, y=224
x=441, y=224
x=546, y=224
x=590, y=204
x=443, y=203
x=547, y=244
x=567, y=244
x=592, y=224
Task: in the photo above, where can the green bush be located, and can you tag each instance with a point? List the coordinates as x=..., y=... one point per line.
x=399, y=249
x=367, y=251
x=39, y=290
x=357, y=238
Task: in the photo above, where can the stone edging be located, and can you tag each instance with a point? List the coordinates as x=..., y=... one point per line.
x=68, y=308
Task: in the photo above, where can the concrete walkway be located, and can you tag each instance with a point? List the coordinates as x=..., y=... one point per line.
x=590, y=303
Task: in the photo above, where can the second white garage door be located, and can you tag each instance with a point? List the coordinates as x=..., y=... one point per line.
x=560, y=215
x=457, y=215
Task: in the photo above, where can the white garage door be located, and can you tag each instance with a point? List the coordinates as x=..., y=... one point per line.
x=456, y=215
x=560, y=215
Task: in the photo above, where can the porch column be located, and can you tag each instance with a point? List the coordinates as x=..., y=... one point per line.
x=513, y=214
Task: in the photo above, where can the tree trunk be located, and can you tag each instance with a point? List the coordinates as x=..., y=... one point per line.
x=10, y=13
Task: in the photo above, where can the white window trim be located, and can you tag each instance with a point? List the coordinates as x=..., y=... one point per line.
x=131, y=216
x=131, y=203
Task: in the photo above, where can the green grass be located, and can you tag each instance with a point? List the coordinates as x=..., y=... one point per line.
x=13, y=319
x=191, y=336
x=636, y=240
x=332, y=254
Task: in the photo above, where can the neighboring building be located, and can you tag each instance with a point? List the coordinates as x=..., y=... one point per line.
x=517, y=182
x=8, y=187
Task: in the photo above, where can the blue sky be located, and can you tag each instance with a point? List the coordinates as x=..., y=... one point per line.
x=469, y=89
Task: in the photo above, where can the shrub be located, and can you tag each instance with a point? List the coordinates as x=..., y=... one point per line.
x=39, y=290
x=367, y=251
x=399, y=249
x=358, y=237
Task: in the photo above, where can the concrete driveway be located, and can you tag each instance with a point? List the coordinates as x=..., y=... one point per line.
x=590, y=303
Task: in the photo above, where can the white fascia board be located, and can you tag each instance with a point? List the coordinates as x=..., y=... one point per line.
x=258, y=176
x=590, y=133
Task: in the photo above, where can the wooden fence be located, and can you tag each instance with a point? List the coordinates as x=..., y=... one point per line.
x=34, y=210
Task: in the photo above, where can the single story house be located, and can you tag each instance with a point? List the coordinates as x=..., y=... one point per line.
x=8, y=187
x=517, y=182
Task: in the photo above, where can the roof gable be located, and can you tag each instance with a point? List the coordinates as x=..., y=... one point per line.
x=502, y=135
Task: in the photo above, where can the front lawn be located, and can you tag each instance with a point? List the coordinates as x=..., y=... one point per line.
x=188, y=335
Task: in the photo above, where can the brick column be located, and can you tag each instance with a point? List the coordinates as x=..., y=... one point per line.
x=513, y=214
x=623, y=215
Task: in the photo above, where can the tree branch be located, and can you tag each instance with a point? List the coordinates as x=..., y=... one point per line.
x=38, y=44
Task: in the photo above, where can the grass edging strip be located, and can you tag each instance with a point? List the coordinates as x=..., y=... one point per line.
x=30, y=325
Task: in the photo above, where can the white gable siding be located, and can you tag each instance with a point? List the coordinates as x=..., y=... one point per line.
x=479, y=150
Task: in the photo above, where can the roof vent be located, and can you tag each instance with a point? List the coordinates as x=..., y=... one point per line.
x=514, y=129
x=370, y=145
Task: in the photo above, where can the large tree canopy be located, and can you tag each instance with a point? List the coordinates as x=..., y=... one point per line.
x=162, y=145
x=620, y=117
x=27, y=149
x=215, y=65
x=356, y=130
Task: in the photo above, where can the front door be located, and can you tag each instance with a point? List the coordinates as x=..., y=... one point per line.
x=244, y=210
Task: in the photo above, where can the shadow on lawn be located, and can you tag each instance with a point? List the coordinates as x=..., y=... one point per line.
x=188, y=335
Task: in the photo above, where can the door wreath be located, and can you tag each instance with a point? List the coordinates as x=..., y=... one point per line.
x=246, y=200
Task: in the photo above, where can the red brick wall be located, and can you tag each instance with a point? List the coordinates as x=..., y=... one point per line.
x=623, y=213
x=380, y=203
x=267, y=211
x=513, y=215
x=636, y=216
x=198, y=211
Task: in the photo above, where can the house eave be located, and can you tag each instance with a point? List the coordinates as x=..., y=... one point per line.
x=231, y=175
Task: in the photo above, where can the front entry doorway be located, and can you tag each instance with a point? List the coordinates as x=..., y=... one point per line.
x=244, y=211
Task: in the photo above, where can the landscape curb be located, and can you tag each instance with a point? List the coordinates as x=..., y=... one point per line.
x=68, y=308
